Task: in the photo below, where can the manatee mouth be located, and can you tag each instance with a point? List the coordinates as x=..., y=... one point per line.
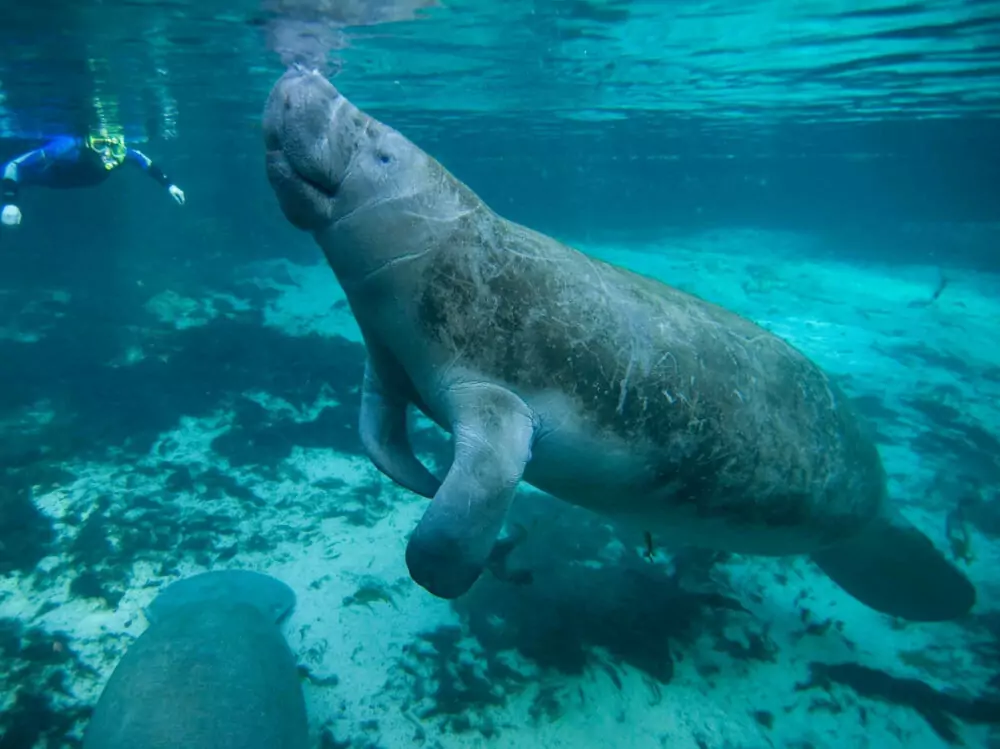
x=327, y=190
x=307, y=201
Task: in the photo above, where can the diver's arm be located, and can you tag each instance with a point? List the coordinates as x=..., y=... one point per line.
x=24, y=170
x=16, y=170
x=146, y=164
x=26, y=167
x=10, y=215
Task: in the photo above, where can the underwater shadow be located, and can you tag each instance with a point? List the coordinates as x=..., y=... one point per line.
x=576, y=602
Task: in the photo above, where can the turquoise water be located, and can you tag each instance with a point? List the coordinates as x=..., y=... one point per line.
x=179, y=384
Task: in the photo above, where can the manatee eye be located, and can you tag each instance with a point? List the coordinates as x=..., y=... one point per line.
x=384, y=158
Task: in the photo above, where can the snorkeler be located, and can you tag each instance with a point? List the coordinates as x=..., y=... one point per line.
x=69, y=161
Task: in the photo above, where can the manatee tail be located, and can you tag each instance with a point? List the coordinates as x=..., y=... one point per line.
x=894, y=568
x=268, y=595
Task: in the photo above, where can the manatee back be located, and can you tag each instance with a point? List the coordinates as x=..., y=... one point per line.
x=271, y=597
x=207, y=674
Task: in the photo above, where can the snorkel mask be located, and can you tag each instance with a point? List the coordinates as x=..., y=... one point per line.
x=111, y=148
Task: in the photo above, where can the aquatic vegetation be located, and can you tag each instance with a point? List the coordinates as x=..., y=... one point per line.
x=106, y=545
x=39, y=669
x=25, y=533
x=193, y=371
x=370, y=592
x=453, y=683
x=368, y=502
x=938, y=709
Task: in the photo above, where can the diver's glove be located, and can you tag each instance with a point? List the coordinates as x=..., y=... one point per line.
x=11, y=215
x=176, y=193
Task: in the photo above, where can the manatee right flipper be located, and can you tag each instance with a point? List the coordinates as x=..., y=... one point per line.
x=492, y=433
x=894, y=568
x=385, y=438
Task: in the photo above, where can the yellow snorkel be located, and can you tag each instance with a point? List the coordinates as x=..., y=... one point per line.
x=111, y=148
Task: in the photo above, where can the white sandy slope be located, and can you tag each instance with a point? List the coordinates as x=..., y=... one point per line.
x=837, y=314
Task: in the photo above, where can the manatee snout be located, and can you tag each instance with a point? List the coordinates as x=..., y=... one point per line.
x=310, y=134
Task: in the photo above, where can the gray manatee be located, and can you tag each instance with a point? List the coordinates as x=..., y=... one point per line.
x=605, y=388
x=212, y=671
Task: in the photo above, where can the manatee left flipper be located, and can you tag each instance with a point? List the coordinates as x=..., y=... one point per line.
x=492, y=432
x=385, y=438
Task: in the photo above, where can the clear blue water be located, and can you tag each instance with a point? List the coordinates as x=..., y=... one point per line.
x=179, y=385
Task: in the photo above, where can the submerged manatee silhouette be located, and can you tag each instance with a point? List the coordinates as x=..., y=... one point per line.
x=212, y=671
x=602, y=387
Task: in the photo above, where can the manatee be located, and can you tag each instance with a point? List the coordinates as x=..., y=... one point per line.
x=212, y=671
x=607, y=389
